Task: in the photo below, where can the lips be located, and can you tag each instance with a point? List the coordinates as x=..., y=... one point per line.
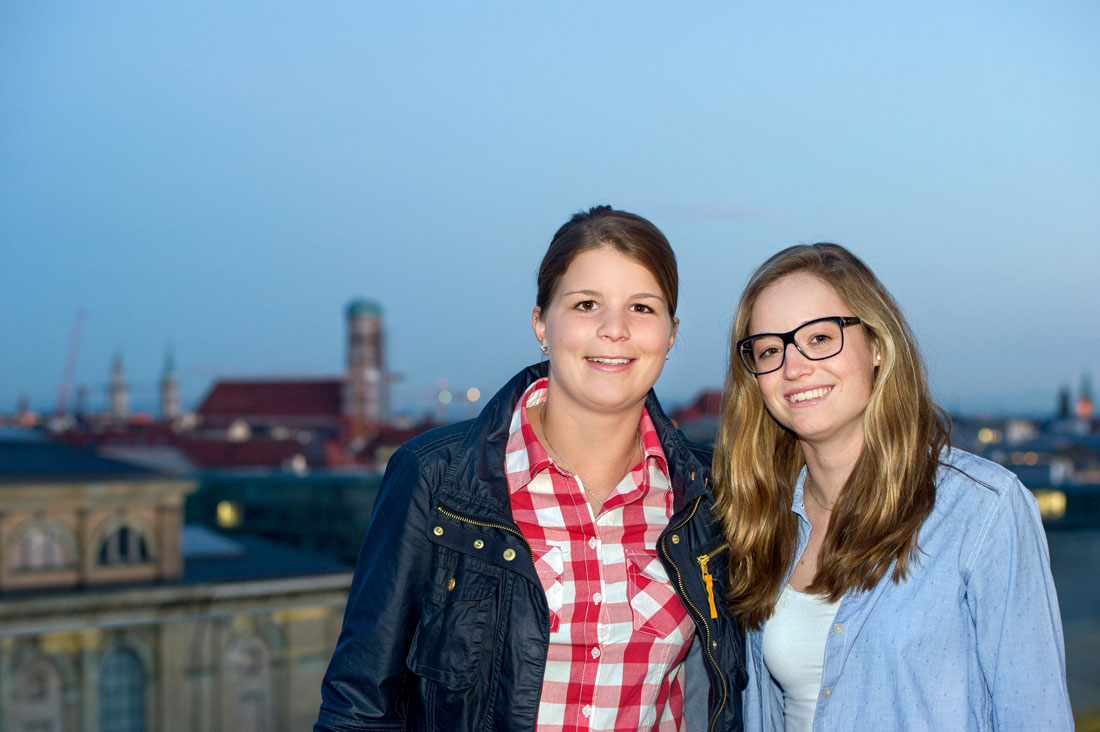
x=609, y=360
x=808, y=394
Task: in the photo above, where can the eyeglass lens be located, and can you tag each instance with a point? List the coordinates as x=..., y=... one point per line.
x=817, y=340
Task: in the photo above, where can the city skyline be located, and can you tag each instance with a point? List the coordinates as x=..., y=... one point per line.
x=225, y=180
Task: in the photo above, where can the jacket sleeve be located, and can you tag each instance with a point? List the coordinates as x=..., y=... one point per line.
x=362, y=689
x=1017, y=623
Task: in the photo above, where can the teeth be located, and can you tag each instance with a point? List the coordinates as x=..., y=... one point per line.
x=811, y=394
x=610, y=361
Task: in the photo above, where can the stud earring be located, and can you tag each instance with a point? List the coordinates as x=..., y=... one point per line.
x=878, y=357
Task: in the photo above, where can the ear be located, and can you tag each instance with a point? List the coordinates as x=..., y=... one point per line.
x=538, y=324
x=672, y=335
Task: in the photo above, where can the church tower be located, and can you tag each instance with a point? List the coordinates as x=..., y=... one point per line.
x=366, y=385
x=1085, y=404
x=169, y=389
x=118, y=392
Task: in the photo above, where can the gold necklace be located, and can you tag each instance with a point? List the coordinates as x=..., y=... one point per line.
x=806, y=491
x=558, y=458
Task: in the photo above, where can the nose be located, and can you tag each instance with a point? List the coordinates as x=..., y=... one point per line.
x=613, y=326
x=795, y=365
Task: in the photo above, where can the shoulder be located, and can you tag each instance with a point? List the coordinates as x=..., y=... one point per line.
x=703, y=452
x=438, y=441
x=682, y=453
x=431, y=452
x=984, y=501
x=962, y=472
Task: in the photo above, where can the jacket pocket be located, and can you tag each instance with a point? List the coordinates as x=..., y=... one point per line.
x=656, y=607
x=550, y=566
x=455, y=626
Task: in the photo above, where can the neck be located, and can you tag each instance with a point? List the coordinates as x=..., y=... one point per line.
x=828, y=471
x=590, y=442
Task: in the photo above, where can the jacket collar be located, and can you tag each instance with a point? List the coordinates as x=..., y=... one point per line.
x=475, y=482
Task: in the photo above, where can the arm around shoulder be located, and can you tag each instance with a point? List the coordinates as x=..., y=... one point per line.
x=362, y=689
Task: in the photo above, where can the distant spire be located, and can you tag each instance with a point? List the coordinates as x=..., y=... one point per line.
x=169, y=387
x=1085, y=404
x=1063, y=402
x=118, y=392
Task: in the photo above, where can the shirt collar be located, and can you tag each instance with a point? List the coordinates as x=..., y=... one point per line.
x=525, y=457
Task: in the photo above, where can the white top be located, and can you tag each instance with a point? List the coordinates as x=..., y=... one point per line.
x=794, y=652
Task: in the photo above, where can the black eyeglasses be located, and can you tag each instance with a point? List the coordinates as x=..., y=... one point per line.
x=817, y=340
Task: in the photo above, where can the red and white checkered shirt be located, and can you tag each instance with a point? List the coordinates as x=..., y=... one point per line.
x=618, y=630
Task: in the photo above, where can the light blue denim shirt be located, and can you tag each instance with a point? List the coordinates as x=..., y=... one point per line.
x=971, y=640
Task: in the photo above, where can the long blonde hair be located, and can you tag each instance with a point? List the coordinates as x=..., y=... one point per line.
x=891, y=489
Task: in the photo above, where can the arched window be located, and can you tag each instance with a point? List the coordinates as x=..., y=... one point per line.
x=121, y=692
x=44, y=545
x=37, y=697
x=124, y=545
x=250, y=682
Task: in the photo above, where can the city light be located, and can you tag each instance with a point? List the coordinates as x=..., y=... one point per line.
x=473, y=394
x=986, y=435
x=1052, y=504
x=229, y=514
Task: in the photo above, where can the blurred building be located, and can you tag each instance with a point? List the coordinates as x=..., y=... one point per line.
x=114, y=616
x=366, y=400
x=118, y=393
x=170, y=404
x=293, y=425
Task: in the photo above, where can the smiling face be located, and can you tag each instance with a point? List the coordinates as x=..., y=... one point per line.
x=607, y=329
x=822, y=402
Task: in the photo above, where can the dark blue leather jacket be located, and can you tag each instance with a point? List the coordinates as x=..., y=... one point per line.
x=447, y=624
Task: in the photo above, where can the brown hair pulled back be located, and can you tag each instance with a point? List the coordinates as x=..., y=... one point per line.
x=603, y=226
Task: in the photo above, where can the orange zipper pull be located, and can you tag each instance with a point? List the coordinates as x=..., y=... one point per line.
x=708, y=581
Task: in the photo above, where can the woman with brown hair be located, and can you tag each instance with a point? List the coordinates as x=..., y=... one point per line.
x=546, y=566
x=886, y=581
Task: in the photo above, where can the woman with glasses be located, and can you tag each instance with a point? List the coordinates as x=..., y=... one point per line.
x=549, y=566
x=886, y=580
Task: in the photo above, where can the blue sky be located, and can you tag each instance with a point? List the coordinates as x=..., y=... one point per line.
x=224, y=177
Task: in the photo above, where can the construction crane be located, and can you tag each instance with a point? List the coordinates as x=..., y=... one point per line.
x=70, y=363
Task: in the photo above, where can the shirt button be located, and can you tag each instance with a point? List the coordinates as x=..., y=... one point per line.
x=592, y=542
x=597, y=598
x=827, y=691
x=838, y=628
x=595, y=653
x=587, y=710
x=509, y=554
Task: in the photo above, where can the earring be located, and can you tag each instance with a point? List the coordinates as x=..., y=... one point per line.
x=878, y=357
x=544, y=347
x=668, y=354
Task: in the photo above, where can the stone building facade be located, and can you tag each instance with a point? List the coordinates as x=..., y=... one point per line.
x=116, y=618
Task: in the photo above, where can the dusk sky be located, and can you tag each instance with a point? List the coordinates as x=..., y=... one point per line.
x=225, y=177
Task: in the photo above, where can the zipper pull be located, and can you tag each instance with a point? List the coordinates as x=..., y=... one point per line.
x=708, y=581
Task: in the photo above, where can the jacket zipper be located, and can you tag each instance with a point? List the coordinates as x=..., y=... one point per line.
x=488, y=525
x=706, y=627
x=708, y=578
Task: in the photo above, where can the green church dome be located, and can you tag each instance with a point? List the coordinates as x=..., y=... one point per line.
x=362, y=307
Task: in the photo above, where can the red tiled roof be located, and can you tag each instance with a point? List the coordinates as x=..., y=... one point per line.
x=253, y=453
x=289, y=398
x=707, y=404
